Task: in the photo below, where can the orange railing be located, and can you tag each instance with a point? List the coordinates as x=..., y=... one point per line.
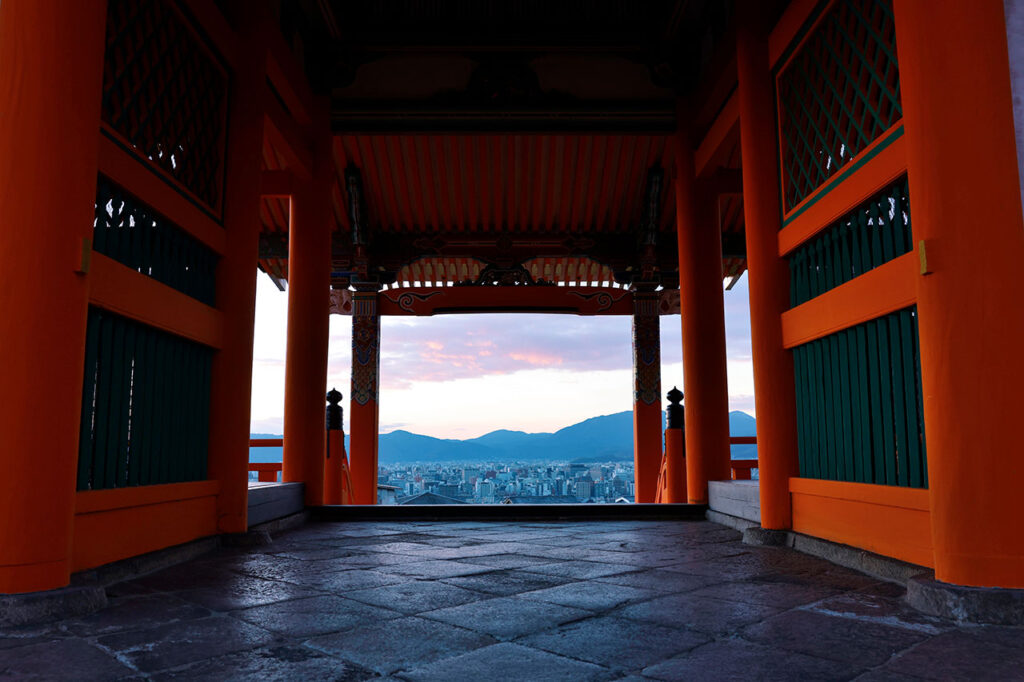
x=662, y=478
x=741, y=468
x=266, y=472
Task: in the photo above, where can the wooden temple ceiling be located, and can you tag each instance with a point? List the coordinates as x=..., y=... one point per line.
x=512, y=141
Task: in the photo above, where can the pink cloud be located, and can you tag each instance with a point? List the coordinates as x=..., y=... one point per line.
x=537, y=359
x=450, y=347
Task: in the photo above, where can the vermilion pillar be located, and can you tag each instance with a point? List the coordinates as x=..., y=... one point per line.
x=646, y=394
x=51, y=55
x=309, y=289
x=364, y=413
x=231, y=377
x=774, y=392
x=965, y=198
x=705, y=379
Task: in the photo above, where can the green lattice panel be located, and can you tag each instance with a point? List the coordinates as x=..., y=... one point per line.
x=132, y=233
x=165, y=94
x=858, y=400
x=872, y=234
x=840, y=91
x=145, y=406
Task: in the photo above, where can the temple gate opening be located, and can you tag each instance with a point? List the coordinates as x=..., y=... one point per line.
x=857, y=158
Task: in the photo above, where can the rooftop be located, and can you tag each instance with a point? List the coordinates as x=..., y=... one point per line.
x=474, y=600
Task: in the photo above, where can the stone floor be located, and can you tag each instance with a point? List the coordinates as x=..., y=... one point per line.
x=510, y=601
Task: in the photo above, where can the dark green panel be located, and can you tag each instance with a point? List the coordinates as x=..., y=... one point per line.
x=858, y=404
x=845, y=400
x=885, y=382
x=875, y=377
x=821, y=402
x=863, y=413
x=910, y=389
x=86, y=434
x=801, y=393
x=832, y=442
x=149, y=421
x=899, y=409
x=103, y=409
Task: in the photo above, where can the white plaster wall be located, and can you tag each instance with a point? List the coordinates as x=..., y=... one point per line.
x=1015, y=39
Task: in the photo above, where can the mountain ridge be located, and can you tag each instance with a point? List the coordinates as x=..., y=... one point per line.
x=605, y=438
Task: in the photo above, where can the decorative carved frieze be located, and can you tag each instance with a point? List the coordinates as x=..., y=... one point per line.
x=646, y=347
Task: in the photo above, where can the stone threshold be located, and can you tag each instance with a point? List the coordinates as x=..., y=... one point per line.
x=511, y=512
x=981, y=605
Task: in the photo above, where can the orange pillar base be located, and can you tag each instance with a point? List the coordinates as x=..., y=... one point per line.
x=675, y=469
x=363, y=444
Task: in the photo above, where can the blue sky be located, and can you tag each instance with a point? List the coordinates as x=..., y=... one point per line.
x=460, y=376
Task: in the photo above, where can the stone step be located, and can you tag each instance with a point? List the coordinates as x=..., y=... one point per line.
x=736, y=498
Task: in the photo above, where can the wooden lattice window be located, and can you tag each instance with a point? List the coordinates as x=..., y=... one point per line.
x=165, y=93
x=132, y=233
x=874, y=233
x=145, y=405
x=839, y=92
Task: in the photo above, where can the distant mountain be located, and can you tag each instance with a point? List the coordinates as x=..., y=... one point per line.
x=402, y=446
x=608, y=438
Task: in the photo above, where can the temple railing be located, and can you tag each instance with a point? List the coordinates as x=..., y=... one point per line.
x=741, y=468
x=266, y=472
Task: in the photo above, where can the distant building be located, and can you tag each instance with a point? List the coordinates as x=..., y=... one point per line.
x=387, y=494
x=448, y=489
x=429, y=498
x=584, y=490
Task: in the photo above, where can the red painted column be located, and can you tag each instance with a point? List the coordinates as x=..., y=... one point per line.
x=231, y=377
x=965, y=199
x=51, y=55
x=363, y=412
x=309, y=290
x=646, y=394
x=774, y=391
x=705, y=378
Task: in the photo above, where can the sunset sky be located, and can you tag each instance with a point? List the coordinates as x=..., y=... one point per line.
x=460, y=376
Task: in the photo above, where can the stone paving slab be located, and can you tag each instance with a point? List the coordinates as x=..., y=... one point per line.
x=508, y=663
x=506, y=618
x=402, y=644
x=576, y=600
